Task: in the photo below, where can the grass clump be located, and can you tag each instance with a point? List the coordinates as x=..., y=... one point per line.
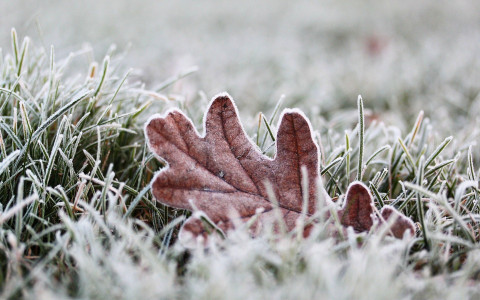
x=78, y=220
x=67, y=138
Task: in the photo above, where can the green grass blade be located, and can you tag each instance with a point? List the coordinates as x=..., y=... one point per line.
x=361, y=134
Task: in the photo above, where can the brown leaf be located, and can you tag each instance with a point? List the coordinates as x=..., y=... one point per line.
x=223, y=173
x=358, y=212
x=400, y=225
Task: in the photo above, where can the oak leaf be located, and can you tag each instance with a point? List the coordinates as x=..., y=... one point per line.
x=222, y=172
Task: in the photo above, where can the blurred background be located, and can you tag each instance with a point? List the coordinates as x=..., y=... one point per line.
x=401, y=56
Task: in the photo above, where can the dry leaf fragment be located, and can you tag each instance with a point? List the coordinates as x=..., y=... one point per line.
x=223, y=173
x=401, y=223
x=358, y=212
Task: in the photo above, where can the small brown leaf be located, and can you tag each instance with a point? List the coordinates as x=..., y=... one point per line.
x=358, y=212
x=222, y=173
x=401, y=224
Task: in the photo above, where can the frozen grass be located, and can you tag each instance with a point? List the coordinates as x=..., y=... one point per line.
x=77, y=218
x=65, y=140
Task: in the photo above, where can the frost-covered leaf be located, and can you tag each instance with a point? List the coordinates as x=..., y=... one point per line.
x=223, y=174
x=358, y=212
